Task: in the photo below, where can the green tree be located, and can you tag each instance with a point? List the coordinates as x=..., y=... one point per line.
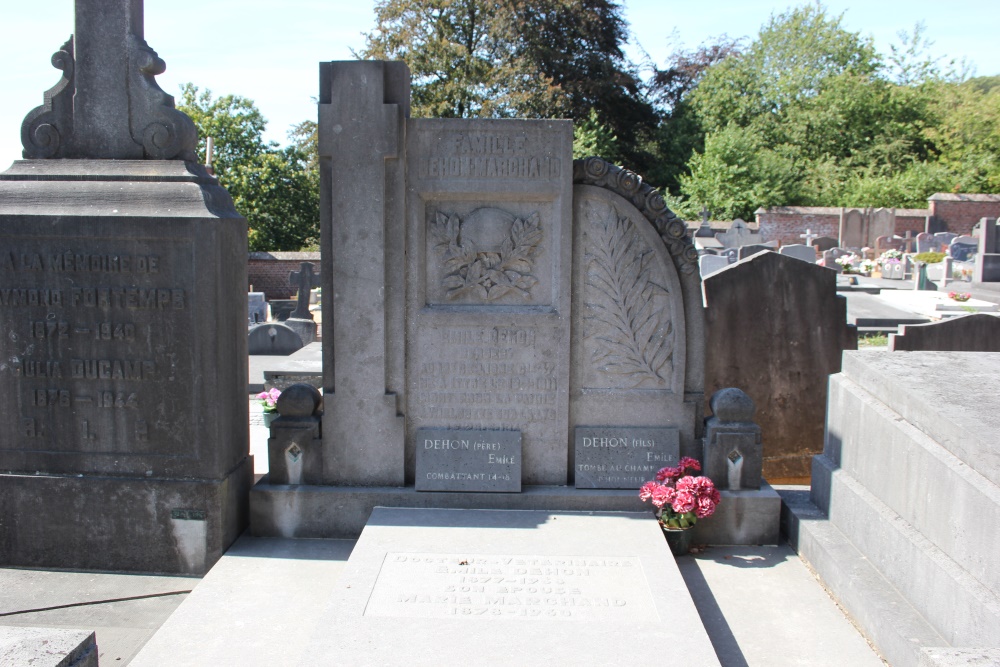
x=276, y=189
x=515, y=58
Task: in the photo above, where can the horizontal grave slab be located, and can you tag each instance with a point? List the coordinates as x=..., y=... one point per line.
x=468, y=460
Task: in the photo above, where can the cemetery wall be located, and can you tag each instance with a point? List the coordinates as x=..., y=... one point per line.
x=957, y=213
x=268, y=272
x=786, y=223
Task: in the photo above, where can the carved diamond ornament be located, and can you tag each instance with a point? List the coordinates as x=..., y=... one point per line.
x=294, y=453
x=735, y=456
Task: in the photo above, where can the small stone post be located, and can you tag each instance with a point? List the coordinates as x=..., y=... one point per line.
x=295, y=448
x=733, y=452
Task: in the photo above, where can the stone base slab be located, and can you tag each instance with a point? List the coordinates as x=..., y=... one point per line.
x=447, y=587
x=47, y=647
x=743, y=517
x=121, y=524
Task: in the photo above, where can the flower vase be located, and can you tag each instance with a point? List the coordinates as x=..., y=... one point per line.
x=679, y=540
x=270, y=417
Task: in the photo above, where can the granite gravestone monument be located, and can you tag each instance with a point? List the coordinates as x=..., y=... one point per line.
x=127, y=446
x=485, y=283
x=301, y=320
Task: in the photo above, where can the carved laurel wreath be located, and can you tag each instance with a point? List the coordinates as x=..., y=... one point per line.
x=489, y=275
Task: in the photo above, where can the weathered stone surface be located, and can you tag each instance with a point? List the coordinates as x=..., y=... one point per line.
x=468, y=460
x=804, y=252
x=256, y=308
x=47, y=647
x=622, y=457
x=709, y=264
x=363, y=108
x=489, y=219
x=976, y=332
x=107, y=104
x=782, y=362
x=616, y=579
x=111, y=272
x=273, y=339
x=732, y=450
x=987, y=269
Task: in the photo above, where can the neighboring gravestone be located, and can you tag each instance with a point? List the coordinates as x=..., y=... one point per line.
x=976, y=332
x=273, y=338
x=942, y=240
x=883, y=243
x=987, y=269
x=709, y=264
x=750, y=250
x=738, y=235
x=882, y=223
x=963, y=248
x=733, y=456
x=804, y=252
x=256, y=308
x=926, y=242
x=301, y=319
x=123, y=325
x=782, y=362
x=481, y=281
x=824, y=243
x=732, y=255
x=853, y=228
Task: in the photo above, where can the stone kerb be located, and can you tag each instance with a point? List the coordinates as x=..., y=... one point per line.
x=976, y=332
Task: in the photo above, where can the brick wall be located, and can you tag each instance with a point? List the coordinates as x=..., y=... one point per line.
x=785, y=223
x=957, y=213
x=268, y=272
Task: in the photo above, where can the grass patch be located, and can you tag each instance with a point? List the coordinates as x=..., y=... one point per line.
x=873, y=340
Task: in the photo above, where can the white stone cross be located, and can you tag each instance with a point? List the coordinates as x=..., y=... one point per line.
x=809, y=236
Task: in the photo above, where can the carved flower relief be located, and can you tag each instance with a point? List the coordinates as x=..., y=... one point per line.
x=629, y=325
x=488, y=255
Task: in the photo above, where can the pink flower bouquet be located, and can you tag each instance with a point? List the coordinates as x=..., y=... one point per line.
x=959, y=296
x=269, y=399
x=679, y=497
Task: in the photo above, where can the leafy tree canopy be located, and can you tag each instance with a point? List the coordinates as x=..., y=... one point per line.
x=276, y=189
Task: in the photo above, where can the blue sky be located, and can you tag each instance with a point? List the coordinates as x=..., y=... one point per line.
x=268, y=50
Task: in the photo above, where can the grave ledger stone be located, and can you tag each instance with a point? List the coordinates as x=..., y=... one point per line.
x=490, y=286
x=123, y=271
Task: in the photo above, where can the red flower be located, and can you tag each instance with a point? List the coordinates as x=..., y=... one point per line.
x=684, y=501
x=662, y=495
x=646, y=491
x=668, y=473
x=704, y=507
x=688, y=463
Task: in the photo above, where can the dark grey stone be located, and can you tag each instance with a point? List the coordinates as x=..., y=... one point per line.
x=758, y=302
x=468, y=460
x=987, y=269
x=306, y=329
x=622, y=457
x=256, y=308
x=304, y=280
x=824, y=243
x=733, y=456
x=976, y=332
x=281, y=309
x=107, y=104
x=804, y=252
x=295, y=448
x=963, y=248
x=709, y=264
x=273, y=339
x=124, y=321
x=750, y=250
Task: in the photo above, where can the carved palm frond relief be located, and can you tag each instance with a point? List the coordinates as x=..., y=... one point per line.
x=633, y=330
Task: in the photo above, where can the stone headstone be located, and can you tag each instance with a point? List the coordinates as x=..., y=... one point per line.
x=749, y=250
x=758, y=301
x=824, y=243
x=709, y=264
x=987, y=267
x=281, y=309
x=482, y=281
x=738, y=235
x=942, y=240
x=305, y=279
x=853, y=228
x=732, y=255
x=468, y=460
x=273, y=338
x=963, y=248
x=926, y=242
x=804, y=252
x=976, y=332
x=256, y=308
x=883, y=243
x=622, y=457
x=124, y=266
x=733, y=455
x=883, y=223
